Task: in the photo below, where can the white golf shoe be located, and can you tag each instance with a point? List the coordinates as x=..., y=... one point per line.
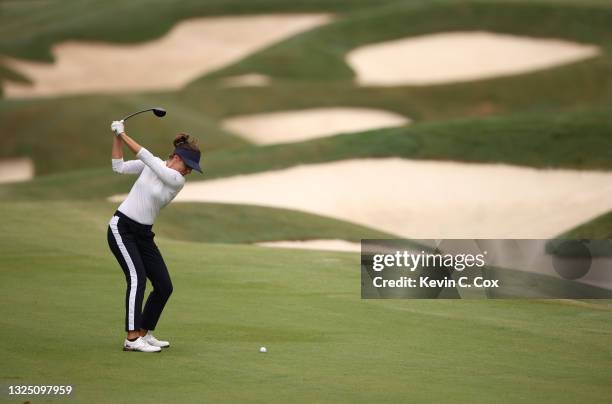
x=139, y=345
x=151, y=340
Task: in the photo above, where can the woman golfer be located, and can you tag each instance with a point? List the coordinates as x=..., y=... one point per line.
x=129, y=232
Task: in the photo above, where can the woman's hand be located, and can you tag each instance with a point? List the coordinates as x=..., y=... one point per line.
x=119, y=130
x=117, y=127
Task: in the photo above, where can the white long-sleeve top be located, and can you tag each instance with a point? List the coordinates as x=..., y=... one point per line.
x=156, y=186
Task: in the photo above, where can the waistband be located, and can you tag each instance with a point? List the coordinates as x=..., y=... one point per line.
x=132, y=221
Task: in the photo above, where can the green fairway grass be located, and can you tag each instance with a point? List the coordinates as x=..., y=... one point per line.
x=62, y=323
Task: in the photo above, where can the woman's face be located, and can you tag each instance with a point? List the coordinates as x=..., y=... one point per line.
x=177, y=164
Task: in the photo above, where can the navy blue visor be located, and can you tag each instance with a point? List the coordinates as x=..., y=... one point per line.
x=191, y=158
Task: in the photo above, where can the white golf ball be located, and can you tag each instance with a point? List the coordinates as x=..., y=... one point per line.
x=263, y=349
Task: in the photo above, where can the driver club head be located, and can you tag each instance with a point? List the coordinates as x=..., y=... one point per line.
x=158, y=111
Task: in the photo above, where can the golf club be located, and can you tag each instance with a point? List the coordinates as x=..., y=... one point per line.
x=158, y=111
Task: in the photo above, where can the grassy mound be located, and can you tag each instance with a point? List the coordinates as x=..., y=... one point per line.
x=575, y=139
x=72, y=132
x=582, y=140
x=319, y=54
x=202, y=222
x=598, y=228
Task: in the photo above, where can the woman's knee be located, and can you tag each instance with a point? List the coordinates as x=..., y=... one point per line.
x=166, y=290
x=135, y=280
x=138, y=285
x=142, y=285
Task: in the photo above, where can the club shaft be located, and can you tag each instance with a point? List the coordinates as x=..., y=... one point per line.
x=136, y=113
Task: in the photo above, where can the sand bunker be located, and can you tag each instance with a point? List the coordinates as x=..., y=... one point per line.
x=297, y=126
x=459, y=56
x=247, y=80
x=16, y=170
x=325, y=245
x=192, y=48
x=425, y=199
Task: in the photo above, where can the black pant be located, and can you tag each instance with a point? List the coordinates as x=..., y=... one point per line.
x=133, y=246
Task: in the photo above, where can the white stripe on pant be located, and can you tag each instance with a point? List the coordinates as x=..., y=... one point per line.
x=130, y=264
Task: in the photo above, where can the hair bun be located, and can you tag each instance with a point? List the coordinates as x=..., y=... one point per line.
x=180, y=139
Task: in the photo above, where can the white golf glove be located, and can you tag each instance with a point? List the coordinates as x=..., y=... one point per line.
x=117, y=127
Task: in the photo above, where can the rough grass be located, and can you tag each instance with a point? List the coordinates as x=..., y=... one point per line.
x=71, y=132
x=580, y=138
x=319, y=54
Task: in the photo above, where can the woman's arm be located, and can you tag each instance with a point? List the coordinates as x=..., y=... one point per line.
x=120, y=166
x=117, y=152
x=131, y=143
x=167, y=175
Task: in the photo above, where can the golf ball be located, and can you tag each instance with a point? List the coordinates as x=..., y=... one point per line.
x=263, y=349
